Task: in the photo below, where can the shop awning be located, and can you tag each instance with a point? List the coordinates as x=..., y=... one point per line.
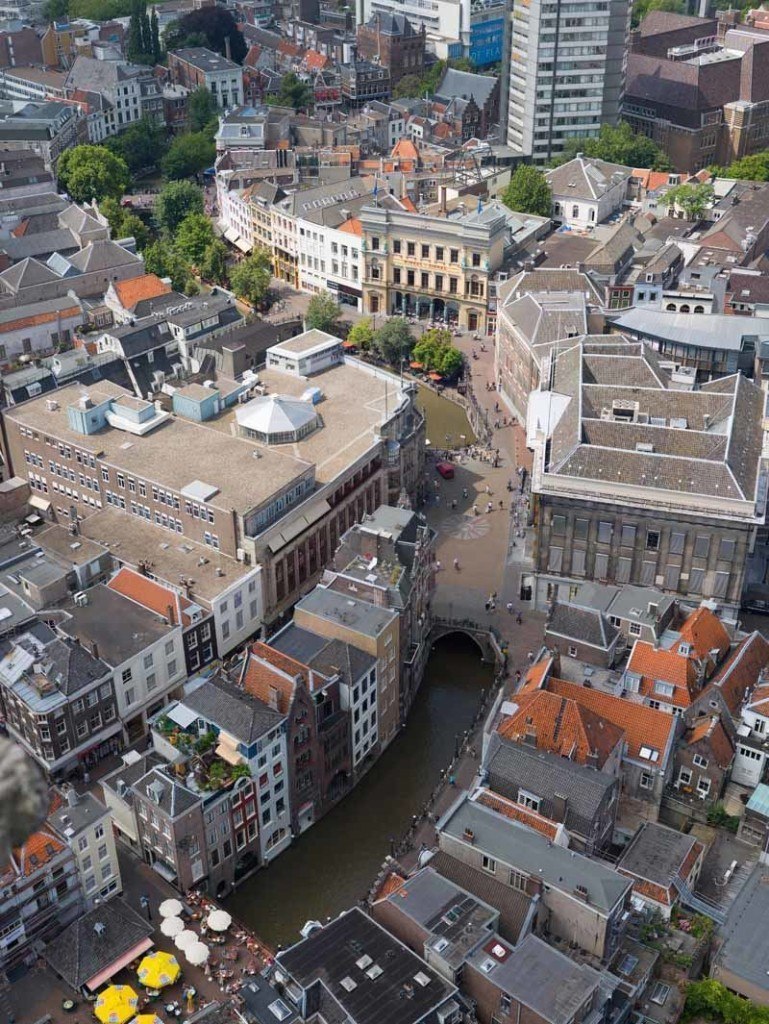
x=118, y=965
x=231, y=235
x=182, y=715
x=164, y=871
x=40, y=503
x=227, y=749
x=243, y=244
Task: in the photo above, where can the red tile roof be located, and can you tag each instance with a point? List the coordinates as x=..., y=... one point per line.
x=136, y=289
x=705, y=632
x=151, y=595
x=644, y=727
x=562, y=726
x=712, y=731
x=40, y=318
x=516, y=812
x=405, y=148
x=740, y=672
x=352, y=226
x=537, y=674
x=271, y=675
x=315, y=61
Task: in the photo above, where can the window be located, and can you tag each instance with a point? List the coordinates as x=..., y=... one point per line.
x=127, y=675
x=646, y=780
x=701, y=547
x=703, y=787
x=684, y=777
x=634, y=629
x=652, y=540
x=103, y=852
x=453, y=255
x=82, y=843
x=489, y=864
x=526, y=799
x=604, y=533
x=699, y=761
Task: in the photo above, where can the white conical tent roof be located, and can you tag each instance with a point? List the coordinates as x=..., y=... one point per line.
x=276, y=414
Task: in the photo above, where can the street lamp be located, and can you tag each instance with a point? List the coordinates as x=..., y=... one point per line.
x=456, y=745
x=145, y=905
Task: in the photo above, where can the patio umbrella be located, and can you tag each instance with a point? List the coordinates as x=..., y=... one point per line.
x=147, y=1018
x=116, y=1004
x=197, y=953
x=170, y=908
x=219, y=920
x=185, y=939
x=159, y=969
x=172, y=926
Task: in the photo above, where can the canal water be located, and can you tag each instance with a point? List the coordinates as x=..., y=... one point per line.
x=446, y=420
x=332, y=865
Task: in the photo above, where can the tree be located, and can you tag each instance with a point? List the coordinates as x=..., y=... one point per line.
x=92, y=172
x=409, y=85
x=157, y=49
x=750, y=168
x=436, y=352
x=125, y=224
x=213, y=266
x=294, y=93
x=323, y=313
x=161, y=259
x=643, y=7
x=694, y=200
x=250, y=279
x=215, y=25
x=394, y=341
x=618, y=145
x=188, y=154
x=177, y=200
x=528, y=192
x=100, y=10
x=201, y=109
x=141, y=145
x=361, y=334
x=55, y=10
x=193, y=237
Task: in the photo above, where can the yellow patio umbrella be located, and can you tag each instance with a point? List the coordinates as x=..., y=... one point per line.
x=147, y=1018
x=116, y=1004
x=159, y=969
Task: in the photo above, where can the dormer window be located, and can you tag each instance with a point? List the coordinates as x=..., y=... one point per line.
x=684, y=649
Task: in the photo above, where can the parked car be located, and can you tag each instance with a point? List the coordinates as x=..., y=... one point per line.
x=446, y=470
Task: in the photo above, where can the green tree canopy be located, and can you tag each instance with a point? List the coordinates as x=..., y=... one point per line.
x=528, y=192
x=188, y=154
x=293, y=93
x=124, y=223
x=161, y=259
x=55, y=10
x=694, y=200
x=323, y=313
x=429, y=80
x=394, y=341
x=618, y=145
x=710, y=1000
x=750, y=168
x=409, y=85
x=215, y=25
x=201, y=110
x=642, y=7
x=213, y=266
x=141, y=145
x=193, y=237
x=99, y=10
x=436, y=352
x=250, y=279
x=176, y=201
x=361, y=334
x=92, y=172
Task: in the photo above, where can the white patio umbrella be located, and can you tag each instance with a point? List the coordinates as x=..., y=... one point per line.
x=185, y=939
x=172, y=926
x=197, y=953
x=170, y=908
x=219, y=920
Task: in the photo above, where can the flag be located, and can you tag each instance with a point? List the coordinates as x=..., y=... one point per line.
x=480, y=205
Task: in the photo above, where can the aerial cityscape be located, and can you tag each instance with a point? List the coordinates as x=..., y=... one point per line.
x=384, y=549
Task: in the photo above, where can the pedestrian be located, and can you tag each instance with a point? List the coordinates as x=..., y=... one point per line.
x=453, y=503
x=488, y=489
x=488, y=605
x=518, y=618
x=501, y=505
x=475, y=510
x=494, y=595
x=489, y=507
x=456, y=564
x=464, y=492
x=438, y=566
x=510, y=607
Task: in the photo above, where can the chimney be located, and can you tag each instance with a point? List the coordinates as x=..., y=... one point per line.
x=580, y=891
x=530, y=736
x=592, y=759
x=442, y=198
x=227, y=48
x=559, y=808
x=72, y=798
x=94, y=649
x=468, y=835
x=170, y=615
x=273, y=699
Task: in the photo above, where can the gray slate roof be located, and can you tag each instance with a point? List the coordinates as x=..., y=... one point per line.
x=514, y=765
x=85, y=813
x=166, y=793
x=745, y=937
x=239, y=713
x=465, y=84
x=530, y=852
x=586, y=625
x=656, y=853
x=80, y=952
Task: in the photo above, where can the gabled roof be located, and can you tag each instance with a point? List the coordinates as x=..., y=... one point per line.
x=740, y=672
x=102, y=255
x=586, y=625
x=656, y=665
x=233, y=710
x=645, y=728
x=517, y=812
x=151, y=595
x=561, y=726
x=586, y=178
x=712, y=730
x=137, y=289
x=352, y=226
x=28, y=273
x=705, y=632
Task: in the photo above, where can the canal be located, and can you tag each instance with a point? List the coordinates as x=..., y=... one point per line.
x=447, y=422
x=333, y=864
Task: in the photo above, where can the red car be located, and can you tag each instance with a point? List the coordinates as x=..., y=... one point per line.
x=446, y=470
